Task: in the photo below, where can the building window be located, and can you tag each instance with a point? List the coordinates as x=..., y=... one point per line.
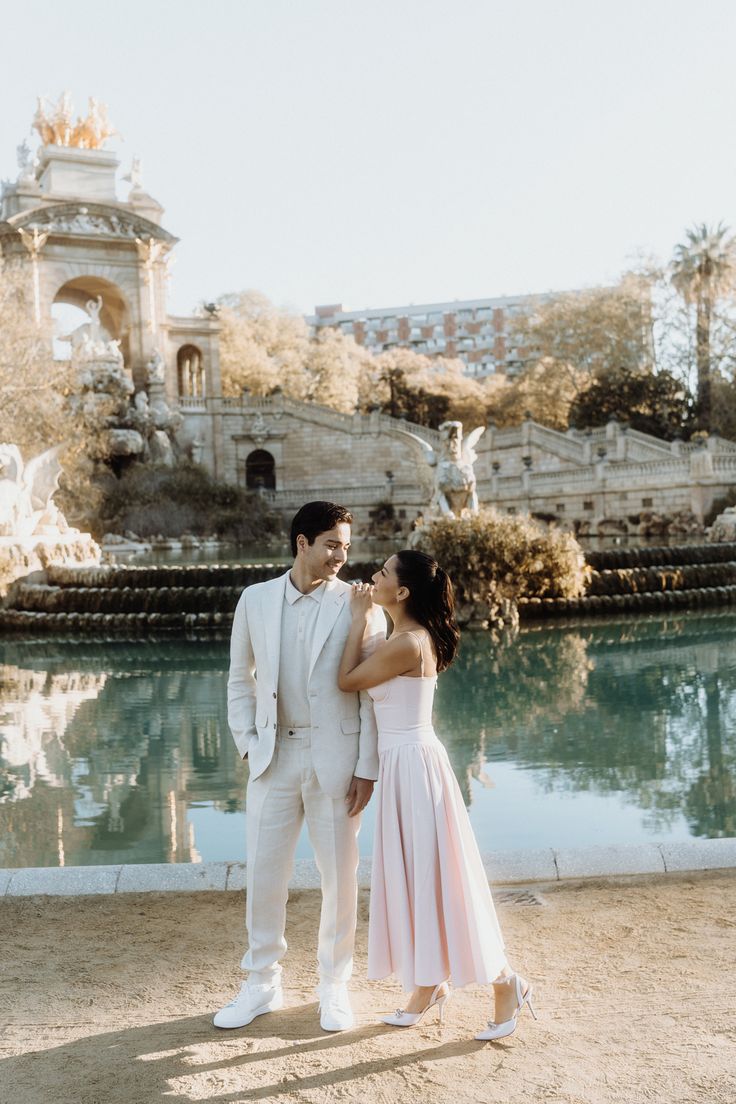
x=560, y=507
x=190, y=372
x=260, y=471
x=587, y=505
x=647, y=502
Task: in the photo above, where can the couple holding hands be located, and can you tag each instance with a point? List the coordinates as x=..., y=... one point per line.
x=322, y=705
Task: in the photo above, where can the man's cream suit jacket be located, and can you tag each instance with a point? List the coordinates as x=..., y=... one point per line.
x=343, y=724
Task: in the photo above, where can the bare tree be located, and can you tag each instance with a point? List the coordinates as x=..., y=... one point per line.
x=35, y=389
x=32, y=384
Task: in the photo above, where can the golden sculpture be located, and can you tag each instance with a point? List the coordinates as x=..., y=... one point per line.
x=55, y=124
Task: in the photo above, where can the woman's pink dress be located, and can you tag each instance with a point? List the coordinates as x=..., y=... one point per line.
x=431, y=913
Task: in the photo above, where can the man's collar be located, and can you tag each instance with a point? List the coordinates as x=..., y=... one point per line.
x=293, y=594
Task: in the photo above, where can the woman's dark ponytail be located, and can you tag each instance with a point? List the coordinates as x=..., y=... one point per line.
x=431, y=601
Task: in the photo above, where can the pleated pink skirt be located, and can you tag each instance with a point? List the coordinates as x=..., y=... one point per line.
x=431, y=914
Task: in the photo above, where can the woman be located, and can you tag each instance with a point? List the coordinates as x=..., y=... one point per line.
x=432, y=917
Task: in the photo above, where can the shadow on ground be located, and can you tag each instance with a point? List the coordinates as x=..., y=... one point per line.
x=164, y=1061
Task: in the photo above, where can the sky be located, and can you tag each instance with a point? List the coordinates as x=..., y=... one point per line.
x=398, y=151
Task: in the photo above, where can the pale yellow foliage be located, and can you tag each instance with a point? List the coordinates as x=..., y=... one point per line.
x=35, y=391
x=437, y=376
x=262, y=347
x=568, y=339
x=594, y=331
x=545, y=390
x=466, y=396
x=335, y=365
x=32, y=384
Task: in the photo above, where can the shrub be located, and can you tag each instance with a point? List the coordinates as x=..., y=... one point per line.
x=171, y=501
x=495, y=559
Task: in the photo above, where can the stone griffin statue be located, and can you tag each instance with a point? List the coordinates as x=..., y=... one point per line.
x=454, y=493
x=26, y=492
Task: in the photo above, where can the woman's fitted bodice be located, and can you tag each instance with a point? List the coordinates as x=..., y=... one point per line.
x=403, y=708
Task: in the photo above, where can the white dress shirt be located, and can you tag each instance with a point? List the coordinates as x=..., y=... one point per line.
x=298, y=620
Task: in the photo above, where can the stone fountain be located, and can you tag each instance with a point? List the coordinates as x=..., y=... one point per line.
x=128, y=424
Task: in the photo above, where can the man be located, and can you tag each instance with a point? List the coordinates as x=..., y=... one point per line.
x=312, y=754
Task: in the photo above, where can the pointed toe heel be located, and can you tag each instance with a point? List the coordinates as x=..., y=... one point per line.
x=524, y=992
x=402, y=1018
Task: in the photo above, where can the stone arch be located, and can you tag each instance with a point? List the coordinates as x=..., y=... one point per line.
x=115, y=313
x=190, y=372
x=260, y=471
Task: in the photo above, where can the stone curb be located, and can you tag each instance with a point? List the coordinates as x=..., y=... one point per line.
x=502, y=867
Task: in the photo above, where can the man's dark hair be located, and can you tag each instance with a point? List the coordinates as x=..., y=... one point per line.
x=317, y=517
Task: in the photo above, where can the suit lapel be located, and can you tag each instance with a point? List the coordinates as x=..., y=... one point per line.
x=271, y=610
x=332, y=602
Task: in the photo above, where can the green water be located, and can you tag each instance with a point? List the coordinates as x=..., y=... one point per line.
x=609, y=733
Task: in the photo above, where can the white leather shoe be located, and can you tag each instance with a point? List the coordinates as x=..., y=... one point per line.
x=251, y=1001
x=335, y=1013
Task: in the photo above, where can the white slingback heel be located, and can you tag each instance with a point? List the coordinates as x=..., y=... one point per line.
x=508, y=1027
x=402, y=1018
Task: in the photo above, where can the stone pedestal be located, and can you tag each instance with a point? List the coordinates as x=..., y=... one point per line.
x=78, y=173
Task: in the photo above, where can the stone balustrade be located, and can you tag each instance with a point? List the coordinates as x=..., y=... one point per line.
x=589, y=480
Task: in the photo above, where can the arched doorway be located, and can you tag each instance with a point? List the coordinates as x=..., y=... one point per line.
x=68, y=311
x=260, y=471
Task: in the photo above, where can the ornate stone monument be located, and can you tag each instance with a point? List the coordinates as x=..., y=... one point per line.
x=128, y=424
x=62, y=216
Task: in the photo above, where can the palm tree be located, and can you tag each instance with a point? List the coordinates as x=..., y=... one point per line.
x=701, y=267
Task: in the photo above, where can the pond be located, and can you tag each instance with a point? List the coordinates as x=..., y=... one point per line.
x=602, y=733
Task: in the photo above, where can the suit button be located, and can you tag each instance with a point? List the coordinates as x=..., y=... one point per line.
x=274, y=693
x=274, y=724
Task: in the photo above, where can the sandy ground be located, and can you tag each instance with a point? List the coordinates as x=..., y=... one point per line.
x=109, y=1000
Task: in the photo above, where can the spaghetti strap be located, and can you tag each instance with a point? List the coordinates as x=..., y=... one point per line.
x=421, y=652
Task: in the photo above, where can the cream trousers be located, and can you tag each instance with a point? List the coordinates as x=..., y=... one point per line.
x=277, y=803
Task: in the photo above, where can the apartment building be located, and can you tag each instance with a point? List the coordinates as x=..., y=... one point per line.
x=477, y=331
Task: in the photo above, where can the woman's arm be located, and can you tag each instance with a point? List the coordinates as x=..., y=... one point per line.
x=396, y=657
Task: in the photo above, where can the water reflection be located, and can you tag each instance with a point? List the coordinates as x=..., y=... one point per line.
x=644, y=709
x=131, y=748
x=114, y=752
